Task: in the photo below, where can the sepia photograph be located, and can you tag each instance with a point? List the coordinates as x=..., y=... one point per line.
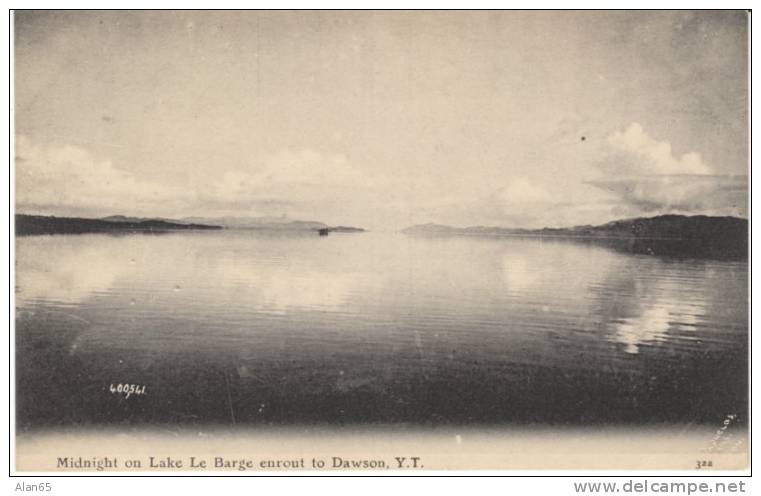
x=380, y=240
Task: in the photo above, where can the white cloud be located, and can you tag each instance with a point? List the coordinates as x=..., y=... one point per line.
x=521, y=203
x=645, y=177
x=630, y=174
x=634, y=152
x=716, y=195
x=303, y=184
x=72, y=177
x=71, y=180
x=637, y=175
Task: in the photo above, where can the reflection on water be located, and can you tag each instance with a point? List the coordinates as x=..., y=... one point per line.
x=373, y=328
x=662, y=308
x=65, y=273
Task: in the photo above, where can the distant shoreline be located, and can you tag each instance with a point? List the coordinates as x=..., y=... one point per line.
x=27, y=225
x=698, y=236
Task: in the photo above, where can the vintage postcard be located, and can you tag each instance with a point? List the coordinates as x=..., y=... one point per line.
x=256, y=241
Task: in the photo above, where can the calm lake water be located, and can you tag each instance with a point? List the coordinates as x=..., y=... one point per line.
x=239, y=327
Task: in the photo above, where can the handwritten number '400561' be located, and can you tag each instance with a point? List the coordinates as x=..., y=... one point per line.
x=127, y=389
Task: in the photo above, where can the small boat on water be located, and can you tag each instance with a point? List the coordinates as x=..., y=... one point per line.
x=324, y=231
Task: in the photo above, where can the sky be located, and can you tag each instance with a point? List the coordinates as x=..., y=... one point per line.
x=382, y=119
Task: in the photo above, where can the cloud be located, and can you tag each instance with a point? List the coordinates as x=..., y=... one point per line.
x=71, y=180
x=627, y=174
x=717, y=195
x=71, y=177
x=645, y=177
x=634, y=152
x=300, y=183
x=635, y=175
x=521, y=203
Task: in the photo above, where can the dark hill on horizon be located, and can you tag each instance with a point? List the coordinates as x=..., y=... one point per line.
x=42, y=224
x=698, y=236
